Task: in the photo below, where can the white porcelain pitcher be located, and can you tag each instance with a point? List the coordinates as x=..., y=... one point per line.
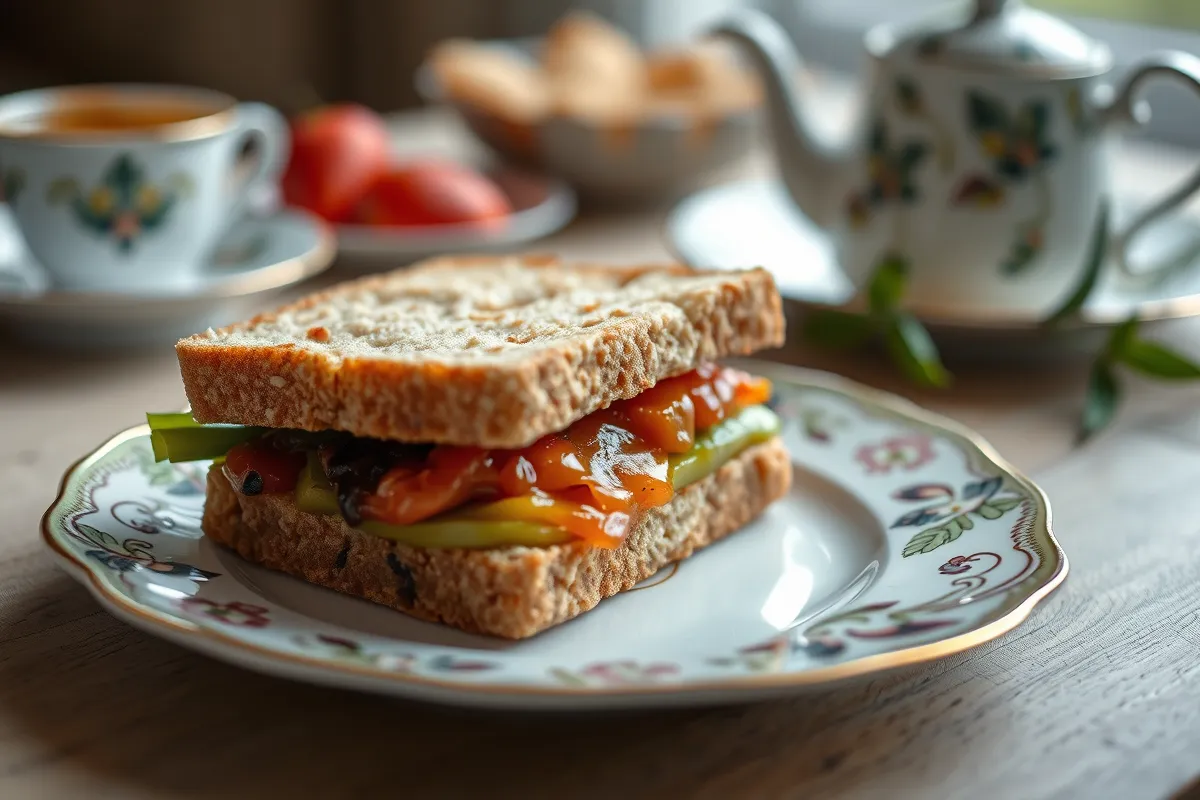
x=982, y=162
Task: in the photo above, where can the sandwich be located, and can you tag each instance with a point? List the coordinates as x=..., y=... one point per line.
x=494, y=443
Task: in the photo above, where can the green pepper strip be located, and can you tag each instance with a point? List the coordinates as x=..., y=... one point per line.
x=723, y=442
x=473, y=534
x=178, y=437
x=160, y=422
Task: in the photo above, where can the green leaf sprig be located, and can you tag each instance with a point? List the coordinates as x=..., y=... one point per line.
x=1097, y=250
x=909, y=345
x=1126, y=348
x=904, y=337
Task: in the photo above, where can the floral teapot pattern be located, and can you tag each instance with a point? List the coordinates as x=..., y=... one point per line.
x=981, y=160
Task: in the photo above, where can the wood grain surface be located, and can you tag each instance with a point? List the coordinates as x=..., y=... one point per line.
x=1096, y=696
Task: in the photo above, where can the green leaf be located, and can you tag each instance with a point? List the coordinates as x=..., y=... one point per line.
x=859, y=614
x=914, y=351
x=1158, y=361
x=1024, y=250
x=908, y=96
x=912, y=154
x=124, y=177
x=1004, y=504
x=989, y=511
x=985, y=113
x=1021, y=257
x=1091, y=270
x=887, y=284
x=933, y=538
x=965, y=523
x=1120, y=338
x=99, y=537
x=84, y=213
x=1100, y=404
x=878, y=141
x=159, y=215
x=837, y=329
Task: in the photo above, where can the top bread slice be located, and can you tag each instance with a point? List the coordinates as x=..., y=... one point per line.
x=491, y=351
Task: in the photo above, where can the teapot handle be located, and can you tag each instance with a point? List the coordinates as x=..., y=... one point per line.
x=1126, y=107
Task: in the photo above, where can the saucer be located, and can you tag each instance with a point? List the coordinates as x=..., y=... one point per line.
x=541, y=205
x=257, y=257
x=755, y=223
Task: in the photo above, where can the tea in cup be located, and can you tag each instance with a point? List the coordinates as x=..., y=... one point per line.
x=127, y=188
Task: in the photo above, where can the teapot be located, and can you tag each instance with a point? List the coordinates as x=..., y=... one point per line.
x=981, y=162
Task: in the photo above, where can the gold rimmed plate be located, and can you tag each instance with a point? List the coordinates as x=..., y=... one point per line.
x=905, y=538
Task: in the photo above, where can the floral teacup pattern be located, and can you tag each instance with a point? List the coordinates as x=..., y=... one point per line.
x=124, y=205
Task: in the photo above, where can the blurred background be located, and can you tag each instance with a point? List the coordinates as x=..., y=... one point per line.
x=287, y=52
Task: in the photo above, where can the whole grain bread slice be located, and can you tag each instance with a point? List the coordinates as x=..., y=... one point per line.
x=510, y=592
x=492, y=351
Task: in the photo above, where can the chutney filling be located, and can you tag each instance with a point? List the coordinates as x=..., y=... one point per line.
x=587, y=483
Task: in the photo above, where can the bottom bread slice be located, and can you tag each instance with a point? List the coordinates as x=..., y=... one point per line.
x=511, y=592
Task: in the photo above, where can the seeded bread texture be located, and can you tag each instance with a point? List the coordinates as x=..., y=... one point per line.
x=510, y=592
x=491, y=351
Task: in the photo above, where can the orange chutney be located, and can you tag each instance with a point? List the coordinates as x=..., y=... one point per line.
x=590, y=479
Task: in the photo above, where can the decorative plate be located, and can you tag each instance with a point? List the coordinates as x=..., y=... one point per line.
x=905, y=538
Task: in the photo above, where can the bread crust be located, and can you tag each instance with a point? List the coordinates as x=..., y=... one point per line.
x=464, y=365
x=510, y=592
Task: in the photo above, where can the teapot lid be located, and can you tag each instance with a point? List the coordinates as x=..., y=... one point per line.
x=1001, y=36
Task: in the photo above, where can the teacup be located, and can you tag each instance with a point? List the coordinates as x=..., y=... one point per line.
x=126, y=188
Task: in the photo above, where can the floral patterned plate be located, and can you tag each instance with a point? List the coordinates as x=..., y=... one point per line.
x=905, y=538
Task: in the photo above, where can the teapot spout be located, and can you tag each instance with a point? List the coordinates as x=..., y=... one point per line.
x=812, y=163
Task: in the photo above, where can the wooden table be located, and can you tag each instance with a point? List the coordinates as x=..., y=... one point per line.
x=1096, y=696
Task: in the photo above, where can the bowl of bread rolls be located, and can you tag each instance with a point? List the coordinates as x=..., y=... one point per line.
x=586, y=104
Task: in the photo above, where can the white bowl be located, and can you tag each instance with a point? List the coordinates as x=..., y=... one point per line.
x=662, y=158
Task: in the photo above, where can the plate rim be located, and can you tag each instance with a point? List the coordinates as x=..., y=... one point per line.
x=231, y=649
x=1183, y=306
